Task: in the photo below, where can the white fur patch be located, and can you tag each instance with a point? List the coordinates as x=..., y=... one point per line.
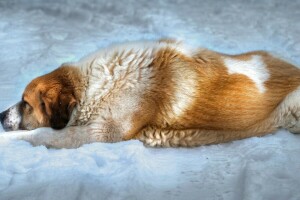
x=184, y=95
x=254, y=68
x=183, y=100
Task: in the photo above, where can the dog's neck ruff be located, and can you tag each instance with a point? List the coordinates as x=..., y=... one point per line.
x=114, y=69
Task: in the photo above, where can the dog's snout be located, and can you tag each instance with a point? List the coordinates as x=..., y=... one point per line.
x=10, y=119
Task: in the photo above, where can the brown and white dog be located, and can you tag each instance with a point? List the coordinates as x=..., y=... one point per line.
x=163, y=93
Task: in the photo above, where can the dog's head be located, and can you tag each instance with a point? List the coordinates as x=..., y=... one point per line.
x=47, y=101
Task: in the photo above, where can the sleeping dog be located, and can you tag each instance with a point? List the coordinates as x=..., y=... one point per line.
x=164, y=93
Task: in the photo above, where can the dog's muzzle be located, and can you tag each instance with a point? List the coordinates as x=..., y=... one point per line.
x=11, y=118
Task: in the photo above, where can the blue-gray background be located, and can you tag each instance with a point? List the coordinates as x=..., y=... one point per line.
x=37, y=36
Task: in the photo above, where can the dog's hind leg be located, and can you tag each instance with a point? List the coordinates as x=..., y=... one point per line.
x=290, y=112
x=154, y=137
x=285, y=115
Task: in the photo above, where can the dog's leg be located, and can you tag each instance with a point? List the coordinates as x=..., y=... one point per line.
x=292, y=120
x=286, y=115
x=69, y=137
x=192, y=137
x=293, y=123
x=156, y=137
x=289, y=112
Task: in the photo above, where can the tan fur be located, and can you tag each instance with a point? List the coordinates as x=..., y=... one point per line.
x=162, y=97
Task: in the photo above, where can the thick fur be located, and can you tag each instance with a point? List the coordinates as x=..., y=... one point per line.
x=164, y=93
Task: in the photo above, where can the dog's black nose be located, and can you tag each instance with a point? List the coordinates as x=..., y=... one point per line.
x=2, y=116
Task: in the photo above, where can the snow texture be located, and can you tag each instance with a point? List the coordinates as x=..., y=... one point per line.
x=37, y=36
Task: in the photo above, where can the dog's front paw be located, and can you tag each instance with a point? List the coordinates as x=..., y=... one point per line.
x=10, y=136
x=29, y=136
x=4, y=138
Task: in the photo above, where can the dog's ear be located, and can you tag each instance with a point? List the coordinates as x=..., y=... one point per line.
x=57, y=106
x=61, y=110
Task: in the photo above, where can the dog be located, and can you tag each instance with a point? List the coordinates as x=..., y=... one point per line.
x=164, y=93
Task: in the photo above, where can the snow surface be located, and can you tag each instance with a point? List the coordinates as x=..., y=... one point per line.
x=37, y=36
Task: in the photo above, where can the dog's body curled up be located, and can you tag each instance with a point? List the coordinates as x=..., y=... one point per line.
x=163, y=93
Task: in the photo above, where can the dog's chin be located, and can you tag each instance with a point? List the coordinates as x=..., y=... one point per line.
x=9, y=128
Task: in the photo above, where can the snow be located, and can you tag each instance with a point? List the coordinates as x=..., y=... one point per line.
x=37, y=36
